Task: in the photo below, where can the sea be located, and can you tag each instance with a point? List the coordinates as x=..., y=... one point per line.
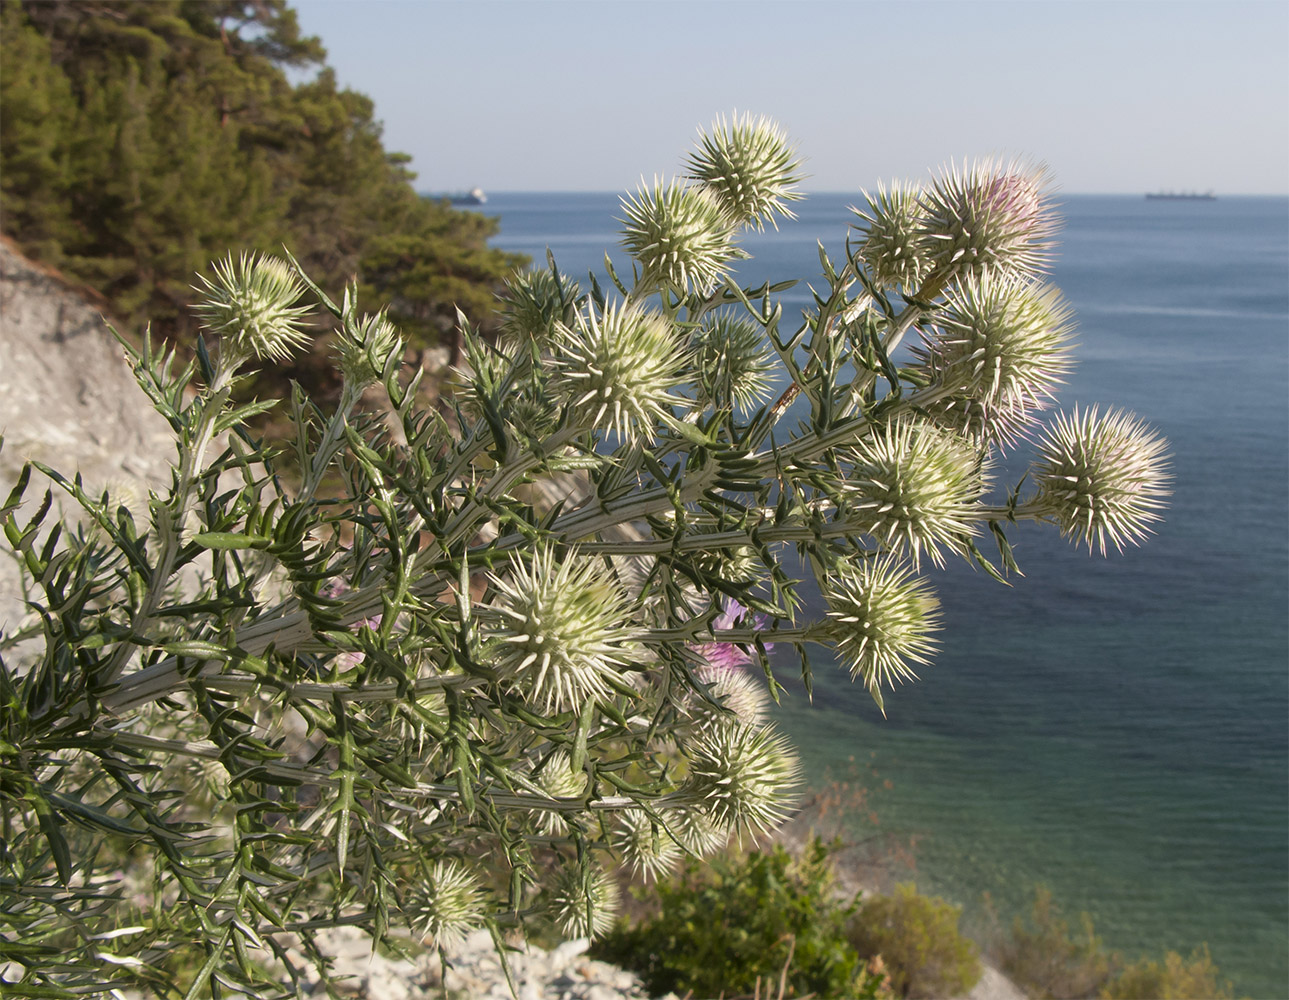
x=1115, y=729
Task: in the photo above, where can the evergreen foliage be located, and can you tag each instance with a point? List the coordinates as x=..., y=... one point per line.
x=919, y=939
x=743, y=923
x=140, y=139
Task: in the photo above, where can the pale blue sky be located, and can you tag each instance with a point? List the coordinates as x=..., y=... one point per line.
x=532, y=95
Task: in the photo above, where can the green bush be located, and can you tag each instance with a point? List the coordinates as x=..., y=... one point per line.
x=1176, y=979
x=919, y=940
x=744, y=922
x=1047, y=960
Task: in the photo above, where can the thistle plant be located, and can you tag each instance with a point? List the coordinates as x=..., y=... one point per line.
x=475, y=659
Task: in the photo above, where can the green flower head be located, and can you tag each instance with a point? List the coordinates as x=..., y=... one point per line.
x=619, y=367
x=997, y=352
x=750, y=167
x=882, y=619
x=563, y=630
x=250, y=305
x=914, y=487
x=681, y=237
x=891, y=237
x=744, y=777
x=1101, y=478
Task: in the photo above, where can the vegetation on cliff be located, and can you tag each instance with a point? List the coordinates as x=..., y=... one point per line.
x=140, y=140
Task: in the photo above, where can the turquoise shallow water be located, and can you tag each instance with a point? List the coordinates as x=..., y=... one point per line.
x=1117, y=729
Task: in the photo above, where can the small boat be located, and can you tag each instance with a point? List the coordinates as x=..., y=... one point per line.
x=1181, y=196
x=475, y=197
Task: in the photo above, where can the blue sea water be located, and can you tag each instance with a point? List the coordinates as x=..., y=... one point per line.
x=1116, y=729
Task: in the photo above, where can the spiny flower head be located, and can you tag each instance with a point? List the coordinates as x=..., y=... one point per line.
x=988, y=216
x=365, y=351
x=250, y=304
x=648, y=849
x=733, y=361
x=1101, y=478
x=695, y=830
x=736, y=689
x=559, y=780
x=583, y=902
x=534, y=302
x=448, y=906
x=750, y=167
x=882, y=617
x=915, y=487
x=891, y=244
x=999, y=349
x=621, y=364
x=563, y=629
x=681, y=237
x=743, y=777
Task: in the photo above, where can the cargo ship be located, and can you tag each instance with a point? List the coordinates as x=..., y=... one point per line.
x=1181, y=196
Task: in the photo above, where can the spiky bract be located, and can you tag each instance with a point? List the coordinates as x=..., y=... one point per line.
x=743, y=777
x=987, y=216
x=448, y=905
x=621, y=365
x=1101, y=478
x=750, y=167
x=916, y=487
x=583, y=902
x=648, y=849
x=563, y=630
x=883, y=618
x=1000, y=347
x=250, y=304
x=892, y=242
x=733, y=361
x=364, y=352
x=681, y=237
x=534, y=303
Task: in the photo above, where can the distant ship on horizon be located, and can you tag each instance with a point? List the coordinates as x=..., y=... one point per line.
x=1181, y=196
x=473, y=197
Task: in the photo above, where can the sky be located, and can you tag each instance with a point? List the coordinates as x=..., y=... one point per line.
x=537, y=95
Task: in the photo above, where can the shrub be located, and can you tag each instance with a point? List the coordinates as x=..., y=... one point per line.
x=503, y=636
x=1047, y=959
x=919, y=940
x=742, y=923
x=1177, y=978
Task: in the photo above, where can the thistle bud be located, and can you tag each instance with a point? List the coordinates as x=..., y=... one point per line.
x=648, y=850
x=534, y=303
x=681, y=237
x=987, y=216
x=620, y=365
x=743, y=777
x=1000, y=347
x=364, y=352
x=583, y=902
x=448, y=906
x=891, y=245
x=563, y=630
x=883, y=617
x=750, y=167
x=1101, y=477
x=250, y=305
x=915, y=486
x=734, y=363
